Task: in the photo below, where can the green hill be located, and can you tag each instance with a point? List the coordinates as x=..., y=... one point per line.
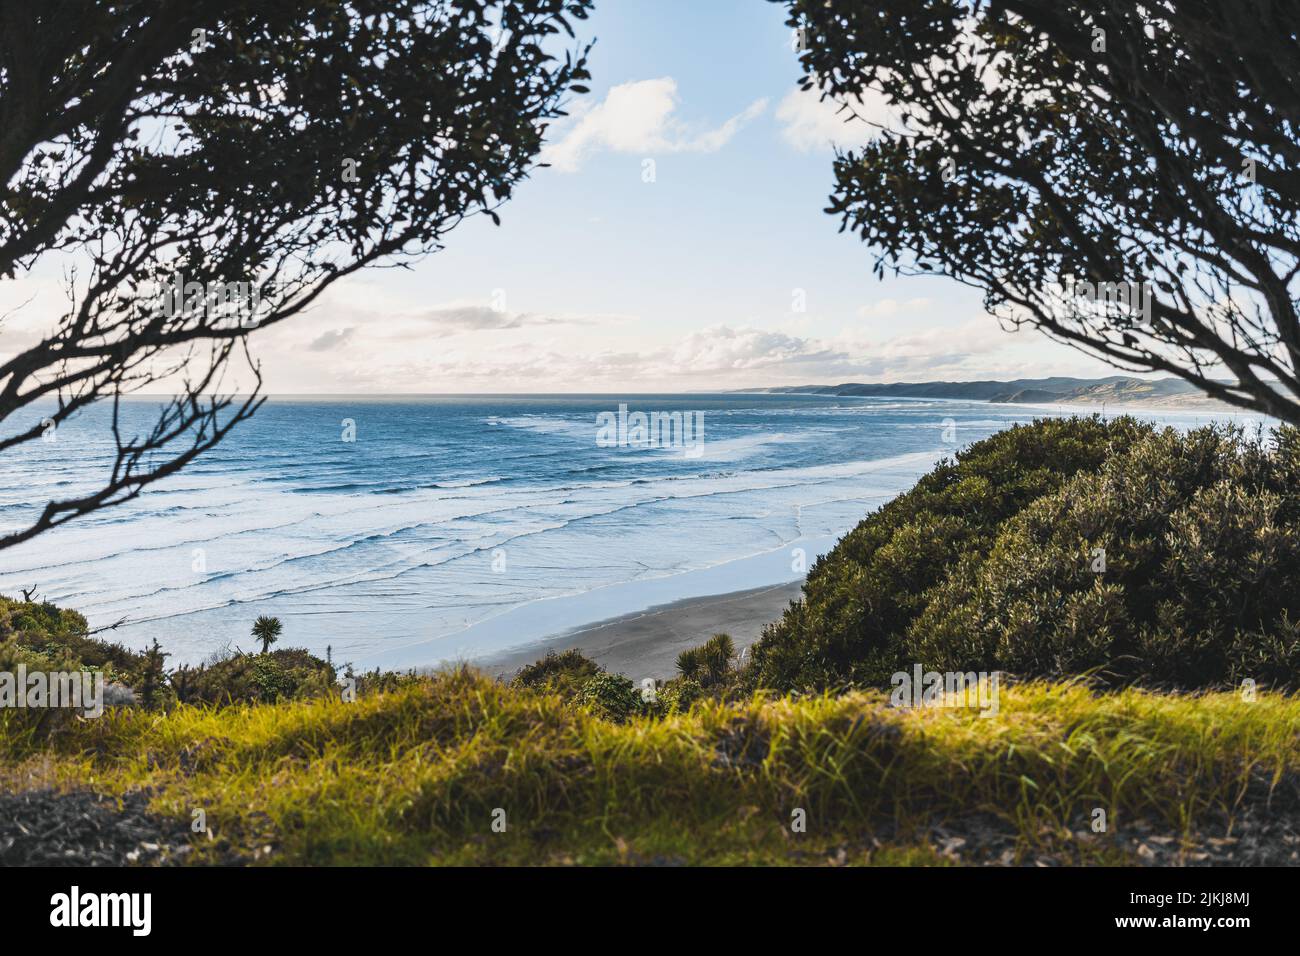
x=1120, y=389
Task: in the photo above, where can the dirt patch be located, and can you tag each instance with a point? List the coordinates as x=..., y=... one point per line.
x=1255, y=837
x=80, y=828
x=1258, y=835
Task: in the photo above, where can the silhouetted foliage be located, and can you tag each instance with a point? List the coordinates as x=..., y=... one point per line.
x=204, y=146
x=1023, y=141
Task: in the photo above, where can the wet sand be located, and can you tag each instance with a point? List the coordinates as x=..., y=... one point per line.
x=646, y=644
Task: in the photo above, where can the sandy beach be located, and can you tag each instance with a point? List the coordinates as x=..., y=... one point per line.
x=646, y=644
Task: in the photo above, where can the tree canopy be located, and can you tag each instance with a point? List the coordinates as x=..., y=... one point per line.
x=1077, y=159
x=202, y=170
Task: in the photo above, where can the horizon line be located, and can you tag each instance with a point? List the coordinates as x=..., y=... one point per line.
x=699, y=391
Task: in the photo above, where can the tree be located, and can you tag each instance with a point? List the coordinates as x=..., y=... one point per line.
x=205, y=169
x=1067, y=156
x=267, y=630
x=154, y=676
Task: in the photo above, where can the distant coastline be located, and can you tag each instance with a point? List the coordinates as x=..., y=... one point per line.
x=1113, y=389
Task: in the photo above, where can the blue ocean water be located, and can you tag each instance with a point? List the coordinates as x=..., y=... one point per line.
x=411, y=531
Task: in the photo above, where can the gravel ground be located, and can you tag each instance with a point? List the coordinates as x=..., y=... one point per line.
x=49, y=828
x=1257, y=837
x=79, y=828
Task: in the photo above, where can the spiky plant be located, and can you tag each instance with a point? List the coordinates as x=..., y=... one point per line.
x=267, y=630
x=716, y=654
x=690, y=662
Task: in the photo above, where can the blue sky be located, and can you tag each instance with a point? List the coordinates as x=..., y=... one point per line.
x=598, y=280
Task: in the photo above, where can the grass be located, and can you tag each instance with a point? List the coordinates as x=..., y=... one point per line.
x=414, y=775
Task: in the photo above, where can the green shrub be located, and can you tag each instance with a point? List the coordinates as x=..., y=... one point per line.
x=709, y=664
x=563, y=674
x=678, y=695
x=861, y=596
x=1202, y=553
x=995, y=562
x=36, y=724
x=45, y=628
x=611, y=696
x=251, y=678
x=376, y=681
x=717, y=654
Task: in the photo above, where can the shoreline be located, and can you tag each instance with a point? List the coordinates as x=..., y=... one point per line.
x=646, y=643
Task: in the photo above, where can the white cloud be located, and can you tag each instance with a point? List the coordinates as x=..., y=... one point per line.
x=639, y=118
x=932, y=351
x=455, y=319
x=30, y=309
x=811, y=123
x=421, y=353
x=331, y=339
x=374, y=338
x=744, y=357
x=722, y=349
x=391, y=322
x=885, y=308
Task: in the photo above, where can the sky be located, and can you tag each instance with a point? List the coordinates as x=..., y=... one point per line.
x=677, y=243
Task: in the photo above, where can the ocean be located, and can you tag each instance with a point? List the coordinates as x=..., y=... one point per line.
x=411, y=531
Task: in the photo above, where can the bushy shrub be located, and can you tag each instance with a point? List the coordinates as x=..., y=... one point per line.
x=563, y=674
x=251, y=678
x=862, y=595
x=1064, y=547
x=44, y=628
x=581, y=682
x=717, y=654
x=377, y=681
x=36, y=723
x=611, y=696
x=1201, y=548
x=678, y=694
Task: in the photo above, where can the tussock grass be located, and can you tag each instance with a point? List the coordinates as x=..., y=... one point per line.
x=413, y=776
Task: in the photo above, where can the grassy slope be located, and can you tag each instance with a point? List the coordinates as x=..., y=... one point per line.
x=413, y=775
